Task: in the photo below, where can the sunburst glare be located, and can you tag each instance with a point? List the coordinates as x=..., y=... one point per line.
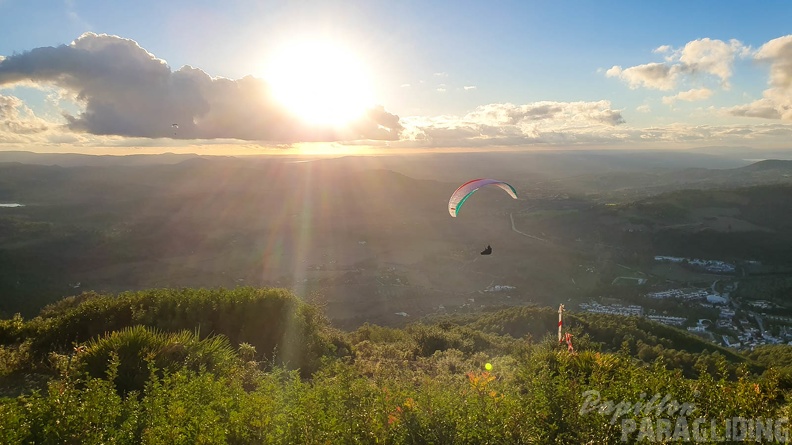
x=321, y=82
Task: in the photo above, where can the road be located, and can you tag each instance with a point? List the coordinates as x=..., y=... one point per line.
x=511, y=217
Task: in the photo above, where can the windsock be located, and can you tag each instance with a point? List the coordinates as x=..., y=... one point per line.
x=560, y=321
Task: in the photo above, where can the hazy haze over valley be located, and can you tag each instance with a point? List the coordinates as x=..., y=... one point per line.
x=367, y=236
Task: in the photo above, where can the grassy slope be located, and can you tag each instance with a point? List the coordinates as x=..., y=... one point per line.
x=425, y=382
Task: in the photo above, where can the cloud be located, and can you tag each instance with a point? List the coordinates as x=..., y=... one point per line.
x=571, y=124
x=714, y=57
x=656, y=76
x=504, y=124
x=550, y=112
x=441, y=74
x=776, y=101
x=643, y=108
x=18, y=119
x=707, y=57
x=469, y=87
x=692, y=95
x=779, y=53
x=663, y=49
x=377, y=124
x=763, y=108
x=127, y=91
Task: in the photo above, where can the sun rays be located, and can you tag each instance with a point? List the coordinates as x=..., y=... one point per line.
x=320, y=81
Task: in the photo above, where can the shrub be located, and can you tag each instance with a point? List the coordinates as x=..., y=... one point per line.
x=139, y=349
x=271, y=320
x=11, y=330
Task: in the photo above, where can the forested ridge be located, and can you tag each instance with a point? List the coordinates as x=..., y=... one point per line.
x=253, y=365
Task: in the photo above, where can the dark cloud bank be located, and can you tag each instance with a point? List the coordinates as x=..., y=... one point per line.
x=127, y=91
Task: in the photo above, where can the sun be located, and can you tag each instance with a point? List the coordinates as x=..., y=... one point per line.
x=321, y=82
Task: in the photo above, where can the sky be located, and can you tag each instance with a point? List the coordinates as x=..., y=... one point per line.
x=349, y=76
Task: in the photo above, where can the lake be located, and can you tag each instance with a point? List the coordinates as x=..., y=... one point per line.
x=11, y=204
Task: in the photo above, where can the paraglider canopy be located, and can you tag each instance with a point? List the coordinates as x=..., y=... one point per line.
x=467, y=189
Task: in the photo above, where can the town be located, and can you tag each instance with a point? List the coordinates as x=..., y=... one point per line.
x=735, y=323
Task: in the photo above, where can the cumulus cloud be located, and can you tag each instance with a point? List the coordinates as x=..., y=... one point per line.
x=692, y=95
x=663, y=49
x=703, y=57
x=549, y=112
x=509, y=124
x=779, y=53
x=714, y=57
x=571, y=124
x=377, y=124
x=763, y=108
x=18, y=119
x=127, y=91
x=469, y=87
x=776, y=101
x=656, y=76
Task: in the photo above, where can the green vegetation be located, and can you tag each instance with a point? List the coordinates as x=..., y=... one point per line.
x=258, y=366
x=273, y=321
x=757, y=228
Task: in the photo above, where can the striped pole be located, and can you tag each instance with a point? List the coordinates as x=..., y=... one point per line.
x=560, y=321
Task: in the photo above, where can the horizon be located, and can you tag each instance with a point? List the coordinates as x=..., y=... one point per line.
x=368, y=77
x=771, y=153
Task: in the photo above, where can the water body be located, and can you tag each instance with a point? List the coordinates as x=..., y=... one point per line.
x=11, y=204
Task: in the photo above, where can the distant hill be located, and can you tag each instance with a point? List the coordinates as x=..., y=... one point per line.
x=768, y=164
x=629, y=185
x=744, y=152
x=208, y=222
x=535, y=165
x=75, y=160
x=372, y=235
x=720, y=223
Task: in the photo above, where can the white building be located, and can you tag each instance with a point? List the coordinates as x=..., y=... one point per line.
x=674, y=321
x=715, y=299
x=614, y=309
